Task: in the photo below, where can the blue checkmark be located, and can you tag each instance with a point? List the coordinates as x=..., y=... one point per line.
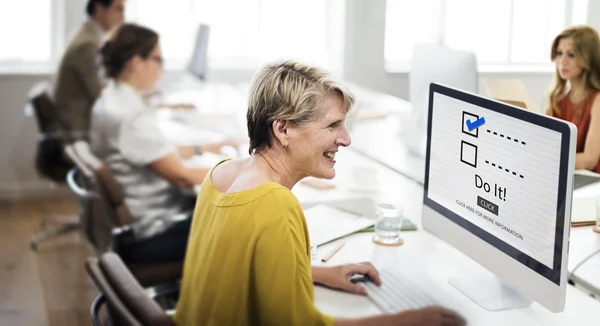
x=475, y=124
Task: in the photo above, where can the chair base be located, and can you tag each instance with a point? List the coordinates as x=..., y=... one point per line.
x=65, y=228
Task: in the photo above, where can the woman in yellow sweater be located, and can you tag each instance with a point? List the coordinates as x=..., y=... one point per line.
x=248, y=256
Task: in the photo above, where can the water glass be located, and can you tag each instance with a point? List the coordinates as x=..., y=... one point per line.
x=389, y=224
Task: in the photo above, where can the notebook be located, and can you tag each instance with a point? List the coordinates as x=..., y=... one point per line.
x=583, y=212
x=326, y=223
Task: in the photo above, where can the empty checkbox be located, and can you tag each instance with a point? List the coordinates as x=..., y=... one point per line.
x=468, y=153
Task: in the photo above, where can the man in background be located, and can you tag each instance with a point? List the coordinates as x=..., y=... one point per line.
x=78, y=82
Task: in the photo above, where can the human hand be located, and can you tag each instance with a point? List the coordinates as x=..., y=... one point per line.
x=338, y=276
x=429, y=316
x=185, y=152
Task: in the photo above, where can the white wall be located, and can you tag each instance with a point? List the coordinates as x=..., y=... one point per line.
x=365, y=26
x=363, y=64
x=18, y=133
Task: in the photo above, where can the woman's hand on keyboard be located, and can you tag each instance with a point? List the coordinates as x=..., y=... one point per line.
x=430, y=316
x=338, y=276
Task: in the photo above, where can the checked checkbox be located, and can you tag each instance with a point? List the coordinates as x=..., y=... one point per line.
x=471, y=119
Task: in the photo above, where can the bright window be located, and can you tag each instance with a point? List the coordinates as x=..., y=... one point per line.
x=501, y=32
x=246, y=33
x=26, y=31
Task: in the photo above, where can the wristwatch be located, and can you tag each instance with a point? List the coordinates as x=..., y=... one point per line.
x=197, y=150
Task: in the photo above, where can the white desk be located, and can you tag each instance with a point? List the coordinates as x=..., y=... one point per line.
x=431, y=260
x=587, y=275
x=585, y=243
x=427, y=259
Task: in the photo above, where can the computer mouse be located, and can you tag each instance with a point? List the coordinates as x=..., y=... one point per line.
x=359, y=278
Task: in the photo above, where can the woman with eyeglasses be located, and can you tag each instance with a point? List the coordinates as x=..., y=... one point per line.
x=126, y=136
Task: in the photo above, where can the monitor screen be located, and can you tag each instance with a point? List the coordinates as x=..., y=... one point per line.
x=499, y=173
x=198, y=65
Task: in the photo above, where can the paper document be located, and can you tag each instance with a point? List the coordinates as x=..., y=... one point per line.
x=326, y=223
x=583, y=210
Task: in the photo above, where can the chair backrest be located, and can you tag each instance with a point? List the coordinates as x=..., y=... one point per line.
x=50, y=161
x=108, y=187
x=96, y=223
x=512, y=91
x=123, y=292
x=117, y=308
x=520, y=104
x=44, y=112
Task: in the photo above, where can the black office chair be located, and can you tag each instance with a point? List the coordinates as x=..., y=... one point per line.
x=51, y=162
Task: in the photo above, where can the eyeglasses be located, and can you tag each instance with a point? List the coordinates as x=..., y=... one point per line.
x=157, y=58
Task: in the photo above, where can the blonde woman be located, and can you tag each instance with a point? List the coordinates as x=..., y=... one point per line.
x=576, y=53
x=247, y=261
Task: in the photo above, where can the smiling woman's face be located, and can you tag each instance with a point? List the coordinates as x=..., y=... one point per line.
x=313, y=145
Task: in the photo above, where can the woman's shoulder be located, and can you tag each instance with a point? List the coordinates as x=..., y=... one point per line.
x=224, y=171
x=231, y=178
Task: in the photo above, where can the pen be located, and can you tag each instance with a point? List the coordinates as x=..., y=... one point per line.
x=336, y=249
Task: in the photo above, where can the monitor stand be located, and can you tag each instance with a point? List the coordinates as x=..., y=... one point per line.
x=491, y=294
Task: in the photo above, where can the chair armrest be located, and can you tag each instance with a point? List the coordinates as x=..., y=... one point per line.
x=80, y=191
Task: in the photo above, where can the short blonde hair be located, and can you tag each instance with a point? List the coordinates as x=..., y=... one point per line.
x=290, y=91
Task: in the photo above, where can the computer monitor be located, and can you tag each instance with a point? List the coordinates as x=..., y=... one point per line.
x=498, y=187
x=198, y=65
x=433, y=63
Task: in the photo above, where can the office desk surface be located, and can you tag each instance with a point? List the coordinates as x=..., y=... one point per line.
x=431, y=263
x=428, y=260
x=584, y=241
x=588, y=275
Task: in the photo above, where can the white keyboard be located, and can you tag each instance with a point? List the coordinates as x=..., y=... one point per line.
x=396, y=293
